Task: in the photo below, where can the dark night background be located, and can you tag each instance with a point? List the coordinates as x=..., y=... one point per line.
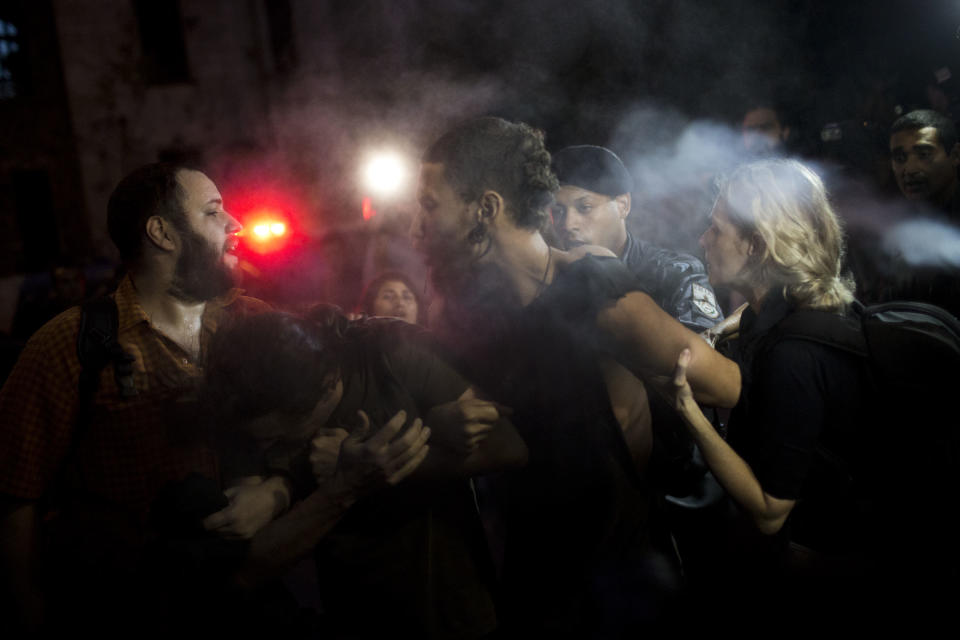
x=281, y=100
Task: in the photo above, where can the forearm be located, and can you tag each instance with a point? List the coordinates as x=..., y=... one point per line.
x=294, y=535
x=500, y=450
x=735, y=475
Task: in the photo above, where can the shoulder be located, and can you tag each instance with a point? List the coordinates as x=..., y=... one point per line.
x=810, y=340
x=670, y=260
x=590, y=283
x=385, y=329
x=583, y=267
x=59, y=335
x=567, y=257
x=245, y=305
x=390, y=338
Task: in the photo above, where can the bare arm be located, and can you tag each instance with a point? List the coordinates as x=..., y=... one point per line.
x=628, y=399
x=364, y=463
x=473, y=437
x=647, y=341
x=734, y=474
x=292, y=536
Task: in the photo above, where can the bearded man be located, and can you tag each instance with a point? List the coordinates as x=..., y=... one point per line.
x=102, y=461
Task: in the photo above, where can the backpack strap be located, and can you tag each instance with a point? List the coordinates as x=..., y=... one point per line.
x=97, y=347
x=824, y=327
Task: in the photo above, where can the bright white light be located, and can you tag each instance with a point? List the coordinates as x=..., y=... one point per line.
x=385, y=174
x=278, y=228
x=262, y=230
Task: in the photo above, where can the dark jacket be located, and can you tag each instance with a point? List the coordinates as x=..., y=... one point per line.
x=676, y=281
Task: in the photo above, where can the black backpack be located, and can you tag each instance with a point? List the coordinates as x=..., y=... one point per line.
x=905, y=468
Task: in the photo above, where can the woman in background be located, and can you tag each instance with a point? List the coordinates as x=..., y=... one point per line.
x=391, y=294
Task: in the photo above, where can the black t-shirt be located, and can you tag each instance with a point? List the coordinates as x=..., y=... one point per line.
x=410, y=558
x=576, y=515
x=796, y=425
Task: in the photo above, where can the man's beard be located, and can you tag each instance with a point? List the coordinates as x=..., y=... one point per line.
x=479, y=300
x=200, y=273
x=453, y=263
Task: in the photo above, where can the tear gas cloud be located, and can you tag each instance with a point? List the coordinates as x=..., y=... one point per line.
x=925, y=243
x=662, y=84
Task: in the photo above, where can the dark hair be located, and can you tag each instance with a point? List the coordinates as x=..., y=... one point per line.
x=507, y=157
x=145, y=192
x=921, y=118
x=373, y=288
x=764, y=102
x=268, y=362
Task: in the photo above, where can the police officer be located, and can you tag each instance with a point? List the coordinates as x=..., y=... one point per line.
x=592, y=206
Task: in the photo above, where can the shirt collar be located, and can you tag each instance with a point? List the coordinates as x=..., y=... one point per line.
x=774, y=308
x=631, y=245
x=130, y=313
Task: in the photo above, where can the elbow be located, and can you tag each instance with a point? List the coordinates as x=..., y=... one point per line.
x=732, y=385
x=771, y=518
x=727, y=393
x=769, y=526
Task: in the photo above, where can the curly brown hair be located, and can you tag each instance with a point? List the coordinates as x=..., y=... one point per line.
x=507, y=157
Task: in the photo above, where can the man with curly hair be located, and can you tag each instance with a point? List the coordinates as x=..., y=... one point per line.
x=551, y=333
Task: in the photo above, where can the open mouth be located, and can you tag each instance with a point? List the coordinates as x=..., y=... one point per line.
x=914, y=186
x=229, y=258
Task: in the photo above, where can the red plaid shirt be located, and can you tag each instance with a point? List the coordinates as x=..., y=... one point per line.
x=132, y=446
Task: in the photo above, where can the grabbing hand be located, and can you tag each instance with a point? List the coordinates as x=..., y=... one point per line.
x=325, y=451
x=461, y=425
x=678, y=390
x=252, y=506
x=371, y=459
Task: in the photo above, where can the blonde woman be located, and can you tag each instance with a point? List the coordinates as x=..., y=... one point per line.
x=775, y=239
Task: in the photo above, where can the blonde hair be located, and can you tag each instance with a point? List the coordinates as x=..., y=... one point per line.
x=786, y=204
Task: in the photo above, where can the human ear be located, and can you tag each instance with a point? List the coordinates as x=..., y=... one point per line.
x=623, y=205
x=757, y=246
x=491, y=205
x=160, y=232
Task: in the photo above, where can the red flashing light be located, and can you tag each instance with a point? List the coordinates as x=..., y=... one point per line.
x=366, y=207
x=266, y=230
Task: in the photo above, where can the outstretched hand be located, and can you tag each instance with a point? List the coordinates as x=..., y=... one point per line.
x=371, y=458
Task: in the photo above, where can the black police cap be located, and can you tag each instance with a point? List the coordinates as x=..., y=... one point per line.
x=592, y=168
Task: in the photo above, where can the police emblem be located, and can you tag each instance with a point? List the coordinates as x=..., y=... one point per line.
x=704, y=301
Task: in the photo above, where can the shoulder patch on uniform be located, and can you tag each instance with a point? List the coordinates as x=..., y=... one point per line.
x=704, y=301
